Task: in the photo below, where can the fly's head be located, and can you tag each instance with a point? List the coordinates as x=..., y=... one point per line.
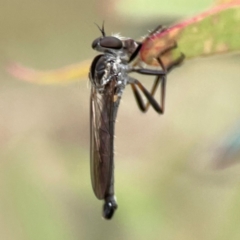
x=115, y=45
x=107, y=43
x=113, y=64
x=123, y=48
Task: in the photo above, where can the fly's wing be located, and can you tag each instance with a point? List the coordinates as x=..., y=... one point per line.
x=103, y=110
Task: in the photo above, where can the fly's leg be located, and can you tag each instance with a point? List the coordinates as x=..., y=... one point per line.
x=175, y=63
x=158, y=29
x=149, y=95
x=136, y=86
x=161, y=78
x=135, y=53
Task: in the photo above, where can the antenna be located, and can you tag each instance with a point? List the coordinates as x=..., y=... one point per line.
x=101, y=29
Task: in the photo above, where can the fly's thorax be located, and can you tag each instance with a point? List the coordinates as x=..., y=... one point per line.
x=106, y=68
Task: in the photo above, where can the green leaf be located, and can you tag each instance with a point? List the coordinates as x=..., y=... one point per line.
x=212, y=32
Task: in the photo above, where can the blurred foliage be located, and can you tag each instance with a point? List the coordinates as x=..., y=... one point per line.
x=141, y=9
x=164, y=189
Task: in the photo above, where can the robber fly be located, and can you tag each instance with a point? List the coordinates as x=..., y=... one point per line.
x=109, y=74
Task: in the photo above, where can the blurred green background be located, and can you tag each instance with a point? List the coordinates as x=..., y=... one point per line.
x=166, y=185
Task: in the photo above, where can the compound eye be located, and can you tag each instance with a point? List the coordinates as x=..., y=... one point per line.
x=95, y=43
x=111, y=42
